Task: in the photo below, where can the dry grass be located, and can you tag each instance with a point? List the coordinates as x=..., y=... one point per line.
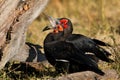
x=94, y=18
x=89, y=17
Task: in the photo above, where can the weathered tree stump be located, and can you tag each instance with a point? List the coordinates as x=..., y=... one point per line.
x=15, y=17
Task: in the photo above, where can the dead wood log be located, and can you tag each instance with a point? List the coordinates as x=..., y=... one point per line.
x=15, y=17
x=110, y=74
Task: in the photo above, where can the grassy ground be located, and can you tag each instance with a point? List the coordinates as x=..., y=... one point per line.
x=94, y=18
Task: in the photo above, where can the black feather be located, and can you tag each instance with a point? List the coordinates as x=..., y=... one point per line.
x=101, y=43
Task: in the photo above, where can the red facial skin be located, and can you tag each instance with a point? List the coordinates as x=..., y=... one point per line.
x=60, y=27
x=64, y=22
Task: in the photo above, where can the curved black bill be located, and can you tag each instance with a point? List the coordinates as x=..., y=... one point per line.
x=52, y=21
x=46, y=28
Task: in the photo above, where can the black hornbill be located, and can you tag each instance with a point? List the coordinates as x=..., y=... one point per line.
x=62, y=47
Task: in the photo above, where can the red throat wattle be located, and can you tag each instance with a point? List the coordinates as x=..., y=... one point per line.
x=64, y=23
x=60, y=28
x=55, y=31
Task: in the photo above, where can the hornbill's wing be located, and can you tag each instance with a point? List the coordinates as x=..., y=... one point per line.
x=88, y=45
x=66, y=51
x=101, y=43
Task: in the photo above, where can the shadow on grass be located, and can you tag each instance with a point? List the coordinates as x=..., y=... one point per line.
x=26, y=71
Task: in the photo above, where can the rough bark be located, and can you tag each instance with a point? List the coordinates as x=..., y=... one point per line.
x=15, y=17
x=88, y=75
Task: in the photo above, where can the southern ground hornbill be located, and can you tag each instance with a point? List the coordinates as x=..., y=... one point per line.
x=66, y=51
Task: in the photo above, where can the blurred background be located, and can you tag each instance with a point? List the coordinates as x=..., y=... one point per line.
x=94, y=18
x=98, y=19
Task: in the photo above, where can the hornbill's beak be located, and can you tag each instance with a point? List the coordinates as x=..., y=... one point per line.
x=53, y=23
x=46, y=28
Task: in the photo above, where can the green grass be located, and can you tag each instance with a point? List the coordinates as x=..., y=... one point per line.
x=93, y=18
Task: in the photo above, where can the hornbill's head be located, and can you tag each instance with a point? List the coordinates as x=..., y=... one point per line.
x=59, y=25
